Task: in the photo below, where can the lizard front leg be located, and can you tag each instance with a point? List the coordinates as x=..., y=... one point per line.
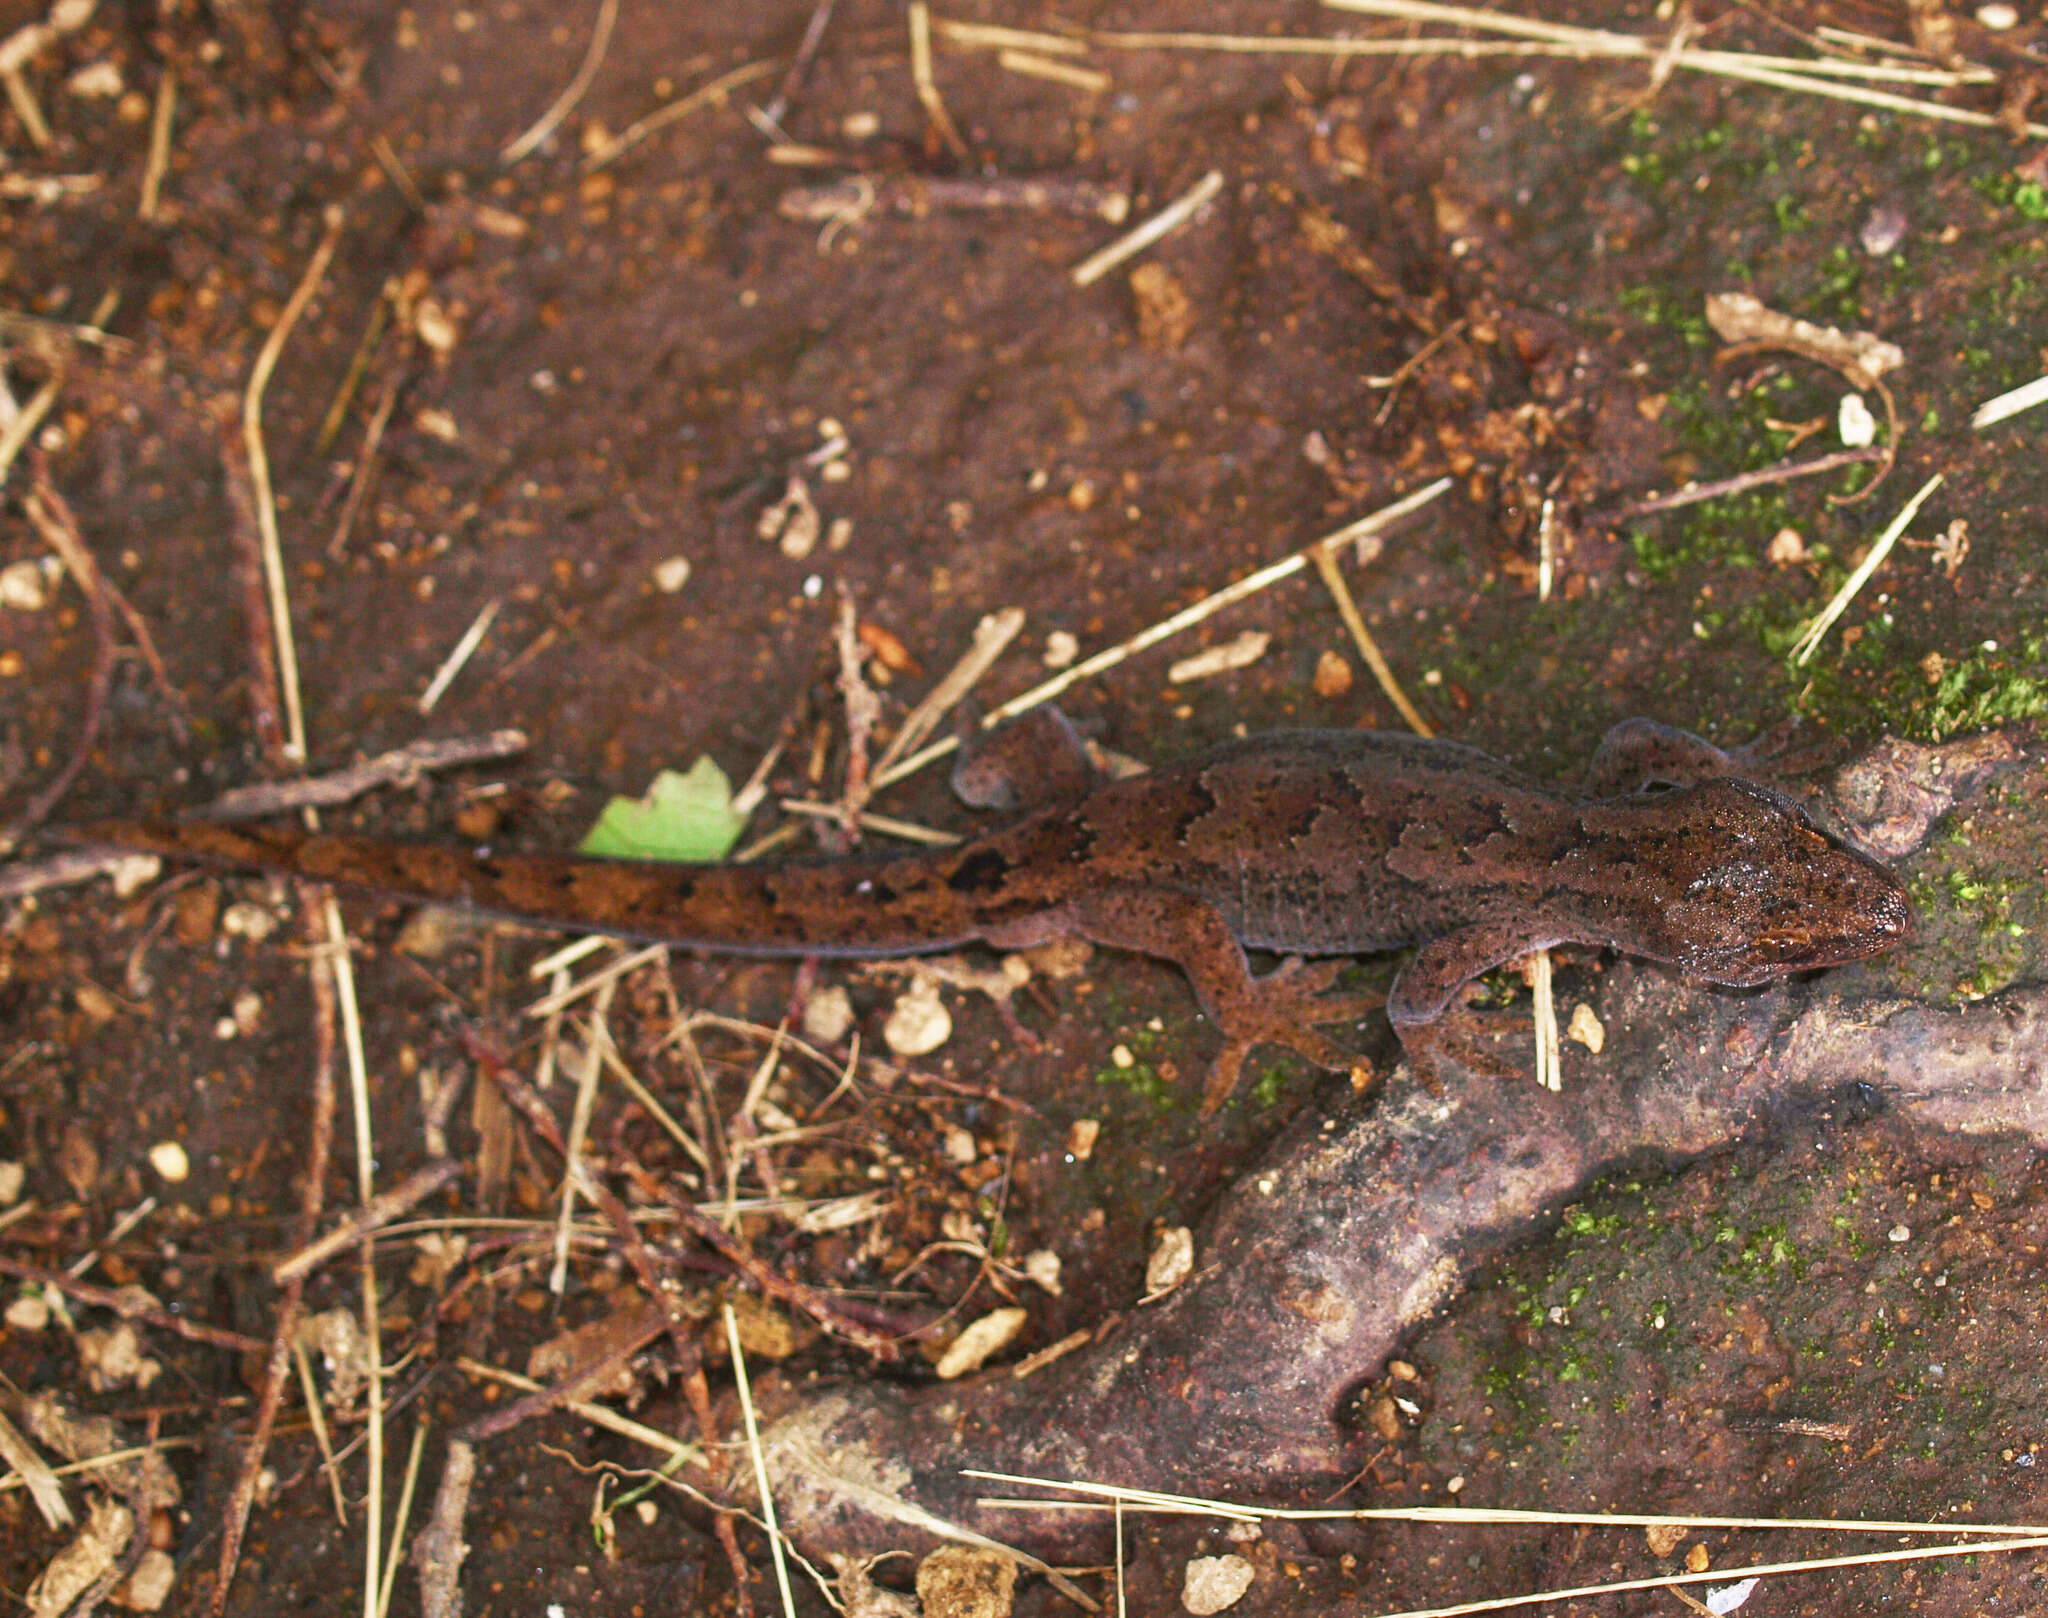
x=1281, y=1008
x=1421, y=996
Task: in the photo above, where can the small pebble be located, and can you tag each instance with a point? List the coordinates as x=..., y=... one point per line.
x=168, y=1158
x=1214, y=1583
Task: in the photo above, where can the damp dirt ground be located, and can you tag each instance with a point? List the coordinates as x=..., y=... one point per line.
x=595, y=377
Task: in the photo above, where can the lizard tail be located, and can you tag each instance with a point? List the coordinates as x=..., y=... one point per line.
x=847, y=907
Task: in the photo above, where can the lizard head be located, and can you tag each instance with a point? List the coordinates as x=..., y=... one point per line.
x=1754, y=890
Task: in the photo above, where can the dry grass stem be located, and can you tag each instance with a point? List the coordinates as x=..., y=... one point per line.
x=1325, y=555
x=465, y=649
x=316, y=1418
x=1726, y=1575
x=567, y=956
x=992, y=637
x=380, y=1211
x=867, y=820
x=1091, y=79
x=1806, y=77
x=604, y=976
x=399, y=175
x=1169, y=219
x=1316, y=45
x=1186, y=618
x=991, y=37
x=746, y=1397
x=920, y=20
x=565, y=103
x=1196, y=1505
x=23, y=422
x=366, y=461
x=1549, y=1055
x=573, y=1171
x=716, y=91
x=265, y=502
x=35, y=1473
x=405, y=1493
x=597, y=1415
x=159, y=160
x=654, y=1109
x=2026, y=397
x=1804, y=648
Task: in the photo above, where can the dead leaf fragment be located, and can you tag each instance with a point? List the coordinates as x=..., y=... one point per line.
x=1166, y=315
x=1665, y=1537
x=1241, y=652
x=79, y=1565
x=966, y=1581
x=1863, y=357
x=980, y=1342
x=1172, y=1261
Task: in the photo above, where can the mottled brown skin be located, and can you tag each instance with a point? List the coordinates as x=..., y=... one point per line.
x=1302, y=842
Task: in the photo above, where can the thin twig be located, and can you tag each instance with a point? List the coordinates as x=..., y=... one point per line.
x=1785, y=471
x=131, y=1303
x=312, y=1196
x=52, y=517
x=806, y=51
x=400, y=767
x=564, y=104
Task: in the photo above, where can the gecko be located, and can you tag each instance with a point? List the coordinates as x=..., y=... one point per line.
x=1304, y=843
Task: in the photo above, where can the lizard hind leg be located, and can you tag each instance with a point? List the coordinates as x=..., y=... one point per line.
x=1281, y=1008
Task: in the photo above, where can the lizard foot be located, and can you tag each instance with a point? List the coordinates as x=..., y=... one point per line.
x=1463, y=1037
x=1282, y=1008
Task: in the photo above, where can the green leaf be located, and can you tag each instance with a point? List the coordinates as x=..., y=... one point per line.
x=682, y=817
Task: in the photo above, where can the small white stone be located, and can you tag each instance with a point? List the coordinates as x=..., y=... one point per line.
x=919, y=1022
x=1899, y=1235
x=1999, y=17
x=96, y=81
x=25, y=585
x=671, y=573
x=828, y=1014
x=1214, y=1583
x=1856, y=424
x=28, y=1314
x=168, y=1158
x=251, y=921
x=1043, y=1268
x=1060, y=649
